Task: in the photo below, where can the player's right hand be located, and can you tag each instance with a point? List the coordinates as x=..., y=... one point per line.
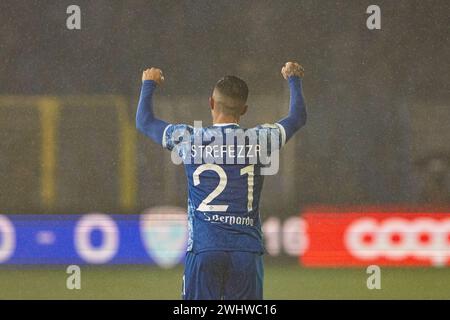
x=154, y=74
x=292, y=69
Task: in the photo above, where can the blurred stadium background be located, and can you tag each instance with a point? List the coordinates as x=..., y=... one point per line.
x=377, y=137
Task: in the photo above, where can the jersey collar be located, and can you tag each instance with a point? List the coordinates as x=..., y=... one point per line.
x=225, y=124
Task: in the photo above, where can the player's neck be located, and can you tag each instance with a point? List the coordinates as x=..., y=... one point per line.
x=222, y=119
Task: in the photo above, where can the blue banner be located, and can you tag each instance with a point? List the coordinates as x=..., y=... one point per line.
x=157, y=237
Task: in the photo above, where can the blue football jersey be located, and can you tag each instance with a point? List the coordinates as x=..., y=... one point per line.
x=225, y=167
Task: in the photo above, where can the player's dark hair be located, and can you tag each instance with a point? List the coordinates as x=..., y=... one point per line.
x=236, y=90
x=233, y=87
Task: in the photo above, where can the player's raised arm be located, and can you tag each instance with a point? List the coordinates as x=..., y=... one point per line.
x=146, y=122
x=293, y=72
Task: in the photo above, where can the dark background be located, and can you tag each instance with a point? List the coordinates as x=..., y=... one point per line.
x=378, y=101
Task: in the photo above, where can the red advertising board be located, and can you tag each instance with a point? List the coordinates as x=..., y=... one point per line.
x=382, y=236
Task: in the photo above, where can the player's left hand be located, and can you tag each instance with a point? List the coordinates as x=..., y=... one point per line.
x=292, y=69
x=154, y=74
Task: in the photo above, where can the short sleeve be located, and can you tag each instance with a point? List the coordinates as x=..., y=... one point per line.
x=274, y=134
x=176, y=134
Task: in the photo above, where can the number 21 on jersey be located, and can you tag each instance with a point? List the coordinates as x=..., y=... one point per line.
x=205, y=205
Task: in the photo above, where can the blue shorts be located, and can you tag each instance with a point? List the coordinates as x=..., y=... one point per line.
x=228, y=275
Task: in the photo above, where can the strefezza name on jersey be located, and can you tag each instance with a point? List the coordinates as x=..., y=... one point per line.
x=226, y=151
x=234, y=146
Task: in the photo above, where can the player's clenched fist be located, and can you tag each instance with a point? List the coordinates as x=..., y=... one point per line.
x=292, y=69
x=154, y=74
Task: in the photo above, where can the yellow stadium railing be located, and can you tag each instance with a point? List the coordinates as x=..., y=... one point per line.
x=49, y=111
